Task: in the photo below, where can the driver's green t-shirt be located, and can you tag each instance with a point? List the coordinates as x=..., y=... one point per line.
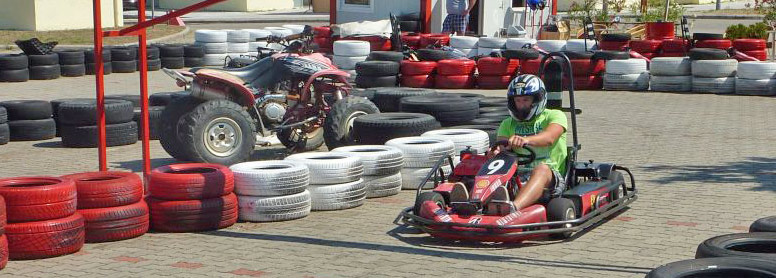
x=555, y=155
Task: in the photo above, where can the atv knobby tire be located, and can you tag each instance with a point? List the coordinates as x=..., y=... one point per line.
x=337, y=129
x=170, y=122
x=218, y=131
x=561, y=209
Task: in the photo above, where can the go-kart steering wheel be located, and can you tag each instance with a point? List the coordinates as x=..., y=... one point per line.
x=522, y=159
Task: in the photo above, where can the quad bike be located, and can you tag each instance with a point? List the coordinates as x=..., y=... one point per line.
x=594, y=192
x=296, y=94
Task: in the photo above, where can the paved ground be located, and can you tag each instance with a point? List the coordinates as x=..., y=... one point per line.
x=705, y=165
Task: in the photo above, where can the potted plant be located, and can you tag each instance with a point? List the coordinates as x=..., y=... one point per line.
x=653, y=17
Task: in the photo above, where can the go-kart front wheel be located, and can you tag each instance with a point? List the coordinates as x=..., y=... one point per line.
x=428, y=196
x=561, y=209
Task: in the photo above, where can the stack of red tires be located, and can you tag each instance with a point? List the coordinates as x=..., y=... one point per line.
x=588, y=73
x=192, y=197
x=112, y=205
x=674, y=48
x=495, y=72
x=431, y=39
x=418, y=74
x=648, y=48
x=752, y=47
x=455, y=74
x=42, y=218
x=709, y=40
x=322, y=37
x=412, y=40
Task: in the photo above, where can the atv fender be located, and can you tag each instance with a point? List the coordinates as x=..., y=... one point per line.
x=221, y=85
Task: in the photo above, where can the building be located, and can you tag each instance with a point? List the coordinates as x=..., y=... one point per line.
x=49, y=15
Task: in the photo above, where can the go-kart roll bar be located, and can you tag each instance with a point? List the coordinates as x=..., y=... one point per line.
x=570, y=75
x=437, y=168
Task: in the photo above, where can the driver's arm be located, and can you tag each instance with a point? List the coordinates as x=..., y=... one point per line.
x=547, y=137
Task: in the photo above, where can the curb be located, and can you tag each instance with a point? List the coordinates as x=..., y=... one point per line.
x=5, y=47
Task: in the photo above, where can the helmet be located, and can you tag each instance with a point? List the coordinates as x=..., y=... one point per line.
x=526, y=85
x=536, y=4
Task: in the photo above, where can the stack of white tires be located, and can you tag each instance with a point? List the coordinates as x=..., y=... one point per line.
x=215, y=44
x=279, y=31
x=382, y=168
x=714, y=76
x=518, y=43
x=349, y=52
x=271, y=190
x=488, y=45
x=626, y=75
x=756, y=78
x=336, y=180
x=670, y=74
x=580, y=45
x=237, y=43
x=476, y=140
x=467, y=45
x=552, y=45
x=420, y=156
x=257, y=38
x=295, y=28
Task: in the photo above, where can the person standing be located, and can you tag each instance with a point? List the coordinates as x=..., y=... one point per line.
x=457, y=16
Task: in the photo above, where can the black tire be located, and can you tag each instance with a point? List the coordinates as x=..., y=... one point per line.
x=767, y=224
x=409, y=26
x=27, y=109
x=20, y=75
x=44, y=60
x=153, y=65
x=522, y=54
x=214, y=113
x=376, y=129
x=193, y=51
x=392, y=56
x=578, y=55
x=123, y=54
x=428, y=196
x=561, y=209
x=499, y=102
x=14, y=62
x=610, y=55
x=171, y=50
x=169, y=125
x=173, y=62
x=124, y=66
x=490, y=129
x=337, y=129
x=473, y=96
x=486, y=121
x=152, y=53
x=107, y=68
x=432, y=54
x=618, y=179
x=616, y=37
x=716, y=268
x=191, y=62
x=377, y=68
x=367, y=93
x=32, y=130
x=55, y=108
x=707, y=36
x=498, y=114
x=163, y=99
x=409, y=17
x=73, y=70
x=708, y=54
x=86, y=136
x=154, y=119
x=84, y=112
x=134, y=99
x=388, y=100
x=745, y=245
x=71, y=57
x=3, y=115
x=363, y=81
x=89, y=56
x=447, y=112
x=491, y=109
x=5, y=134
x=45, y=72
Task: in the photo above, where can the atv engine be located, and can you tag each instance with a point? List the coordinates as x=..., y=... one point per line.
x=272, y=112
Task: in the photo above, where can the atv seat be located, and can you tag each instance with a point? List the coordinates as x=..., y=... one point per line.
x=247, y=74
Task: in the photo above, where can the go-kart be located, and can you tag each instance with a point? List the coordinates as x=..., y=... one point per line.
x=594, y=191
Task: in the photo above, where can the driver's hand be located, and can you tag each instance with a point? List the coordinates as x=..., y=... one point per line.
x=516, y=142
x=495, y=151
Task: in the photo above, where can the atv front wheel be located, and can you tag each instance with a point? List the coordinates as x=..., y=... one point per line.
x=218, y=131
x=339, y=123
x=428, y=196
x=561, y=209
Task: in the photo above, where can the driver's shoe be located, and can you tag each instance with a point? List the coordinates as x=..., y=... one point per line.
x=459, y=194
x=499, y=203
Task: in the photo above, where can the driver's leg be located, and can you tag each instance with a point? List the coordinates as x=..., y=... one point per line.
x=541, y=177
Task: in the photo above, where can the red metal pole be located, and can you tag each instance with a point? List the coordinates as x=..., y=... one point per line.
x=143, y=55
x=100, y=84
x=332, y=12
x=425, y=15
x=554, y=7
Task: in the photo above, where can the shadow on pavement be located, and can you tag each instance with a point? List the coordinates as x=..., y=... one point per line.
x=761, y=170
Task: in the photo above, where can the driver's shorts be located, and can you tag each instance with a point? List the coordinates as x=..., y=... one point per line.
x=553, y=190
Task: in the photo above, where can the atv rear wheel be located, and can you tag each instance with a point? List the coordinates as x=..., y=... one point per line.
x=428, y=196
x=218, y=131
x=169, y=125
x=561, y=209
x=339, y=123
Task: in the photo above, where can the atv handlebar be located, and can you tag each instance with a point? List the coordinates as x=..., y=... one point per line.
x=528, y=158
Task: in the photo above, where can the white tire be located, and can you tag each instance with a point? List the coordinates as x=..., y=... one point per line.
x=237, y=36
x=276, y=208
x=630, y=66
x=270, y=178
x=626, y=82
x=756, y=70
x=205, y=35
x=351, y=48
x=213, y=47
x=468, y=52
x=463, y=42
x=295, y=28
x=412, y=177
x=237, y=47
x=330, y=168
x=422, y=152
x=382, y=186
x=214, y=59
x=719, y=85
x=478, y=140
x=338, y=196
x=670, y=66
x=714, y=68
x=489, y=42
x=518, y=43
x=487, y=51
x=552, y=45
x=378, y=160
x=279, y=31
x=254, y=34
x=578, y=45
x=670, y=83
x=254, y=46
x=347, y=62
x=756, y=87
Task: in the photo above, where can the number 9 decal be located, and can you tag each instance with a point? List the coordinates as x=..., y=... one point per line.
x=495, y=166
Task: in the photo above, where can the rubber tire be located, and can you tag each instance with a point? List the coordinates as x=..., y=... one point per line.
x=626, y=82
x=435, y=197
x=613, y=45
x=123, y=54
x=756, y=87
x=14, y=62
x=611, y=55
x=193, y=215
x=708, y=54
x=47, y=72
x=766, y=224
x=756, y=70
x=347, y=62
x=32, y=130
x=409, y=26
x=463, y=139
x=27, y=109
x=587, y=67
x=338, y=196
x=378, y=160
x=377, y=68
x=116, y=223
x=21, y=75
x=107, y=68
x=715, y=267
x=707, y=36
x=456, y=67
x=630, y=66
x=681, y=83
x=440, y=106
x=45, y=239
x=193, y=124
x=191, y=62
x=165, y=98
x=376, y=129
x=191, y=181
x=722, y=85
x=38, y=198
x=557, y=210
x=124, y=66
x=749, y=44
x=454, y=81
x=73, y=70
x=121, y=134
x=336, y=132
x=84, y=112
x=432, y=55
x=330, y=168
x=204, y=35
x=422, y=152
x=193, y=51
x=383, y=186
x=670, y=66
x=646, y=46
x=493, y=82
x=43, y=60
x=519, y=43
x=390, y=100
x=392, y=56
x=418, y=67
x=171, y=50
x=275, y=208
x=212, y=47
x=71, y=57
x=173, y=62
x=714, y=68
x=5, y=134
x=490, y=129
x=418, y=81
x=464, y=42
x=486, y=121
x=718, y=44
x=270, y=178
x=676, y=45
x=616, y=37
x=106, y=56
x=731, y=245
x=761, y=55
x=351, y=48
x=107, y=189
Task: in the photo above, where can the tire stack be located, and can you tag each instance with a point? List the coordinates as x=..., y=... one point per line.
x=476, y=140
x=752, y=47
x=412, y=40
x=214, y=42
x=455, y=74
x=420, y=155
x=409, y=22
x=712, y=71
x=710, y=40
x=382, y=168
x=349, y=52
x=322, y=37
x=418, y=74
x=588, y=72
x=279, y=31
x=5, y=132
x=376, y=129
x=467, y=45
x=271, y=190
x=614, y=42
x=107, y=64
x=433, y=38
x=14, y=68
x=156, y=104
x=257, y=38
x=172, y=56
x=626, y=75
x=112, y=205
x=486, y=46
x=124, y=59
x=193, y=55
x=192, y=197
x=42, y=218
x=674, y=48
x=237, y=43
x=78, y=123
x=580, y=45
x=647, y=48
x=670, y=74
x=381, y=69
x=552, y=45
x=72, y=63
x=756, y=78
x=44, y=67
x=529, y=60
x=295, y=28
x=447, y=109
x=495, y=72
x=29, y=120
x=519, y=43
x=337, y=181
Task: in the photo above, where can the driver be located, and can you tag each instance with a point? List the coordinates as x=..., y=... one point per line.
x=544, y=130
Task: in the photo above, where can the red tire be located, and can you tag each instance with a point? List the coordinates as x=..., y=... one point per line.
x=586, y=83
x=493, y=82
x=107, y=189
x=430, y=39
x=322, y=31
x=613, y=46
x=454, y=81
x=3, y=218
x=411, y=41
x=191, y=181
x=193, y=215
x=417, y=81
x=376, y=43
x=497, y=66
x=646, y=46
x=3, y=251
x=38, y=198
x=749, y=44
x=718, y=44
x=456, y=67
x=116, y=223
x=324, y=42
x=530, y=66
x=587, y=67
x=45, y=239
x=418, y=68
x=761, y=55
x=672, y=54
x=676, y=45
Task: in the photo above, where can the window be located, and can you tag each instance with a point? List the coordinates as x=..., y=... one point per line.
x=364, y=6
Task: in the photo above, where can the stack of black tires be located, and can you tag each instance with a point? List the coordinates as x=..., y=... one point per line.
x=154, y=62
x=106, y=61
x=124, y=59
x=193, y=55
x=172, y=56
x=29, y=120
x=14, y=68
x=78, y=123
x=44, y=67
x=5, y=133
x=381, y=69
x=72, y=63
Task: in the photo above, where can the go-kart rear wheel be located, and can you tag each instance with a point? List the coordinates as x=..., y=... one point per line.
x=428, y=196
x=561, y=209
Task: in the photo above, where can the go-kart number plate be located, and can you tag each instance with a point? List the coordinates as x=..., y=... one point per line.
x=498, y=165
